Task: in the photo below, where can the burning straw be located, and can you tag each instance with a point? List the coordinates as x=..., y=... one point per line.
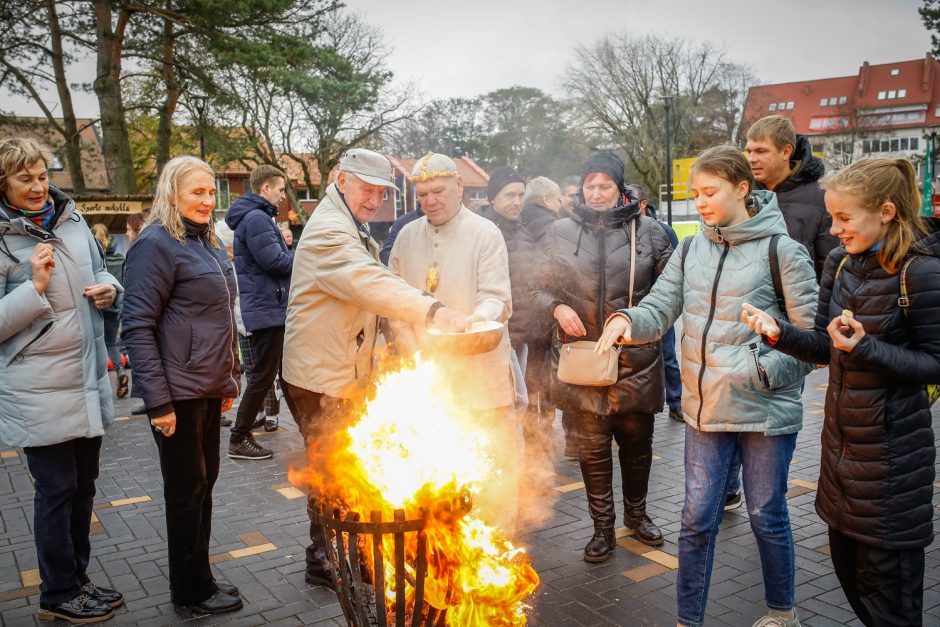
x=411, y=448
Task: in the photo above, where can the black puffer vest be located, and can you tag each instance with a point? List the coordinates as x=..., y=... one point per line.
x=587, y=267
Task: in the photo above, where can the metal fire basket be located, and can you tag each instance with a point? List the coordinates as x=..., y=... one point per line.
x=363, y=601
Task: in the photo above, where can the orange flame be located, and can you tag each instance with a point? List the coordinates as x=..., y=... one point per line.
x=412, y=448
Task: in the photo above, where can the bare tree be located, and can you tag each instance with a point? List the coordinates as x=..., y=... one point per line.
x=619, y=85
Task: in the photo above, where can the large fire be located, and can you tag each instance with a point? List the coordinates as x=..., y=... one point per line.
x=412, y=448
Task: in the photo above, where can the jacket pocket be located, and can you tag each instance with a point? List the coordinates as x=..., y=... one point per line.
x=759, y=378
x=28, y=339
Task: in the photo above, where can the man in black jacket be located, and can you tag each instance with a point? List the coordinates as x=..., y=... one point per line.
x=783, y=162
x=263, y=266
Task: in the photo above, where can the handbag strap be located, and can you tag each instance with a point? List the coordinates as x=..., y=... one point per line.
x=632, y=259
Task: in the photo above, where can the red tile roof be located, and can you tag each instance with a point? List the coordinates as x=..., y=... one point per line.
x=846, y=96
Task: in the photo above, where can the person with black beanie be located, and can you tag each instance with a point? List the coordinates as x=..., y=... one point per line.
x=605, y=247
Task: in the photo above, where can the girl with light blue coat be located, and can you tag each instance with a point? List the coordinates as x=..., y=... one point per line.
x=738, y=394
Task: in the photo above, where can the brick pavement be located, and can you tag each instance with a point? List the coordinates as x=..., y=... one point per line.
x=260, y=524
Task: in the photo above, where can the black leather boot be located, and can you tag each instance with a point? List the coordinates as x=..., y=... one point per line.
x=635, y=518
x=600, y=547
x=319, y=571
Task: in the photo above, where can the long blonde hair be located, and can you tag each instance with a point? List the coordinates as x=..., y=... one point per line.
x=875, y=181
x=164, y=212
x=101, y=234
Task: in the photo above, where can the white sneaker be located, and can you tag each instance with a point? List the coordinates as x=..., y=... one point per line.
x=778, y=618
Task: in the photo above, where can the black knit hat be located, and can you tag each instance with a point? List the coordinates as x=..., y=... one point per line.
x=606, y=162
x=500, y=178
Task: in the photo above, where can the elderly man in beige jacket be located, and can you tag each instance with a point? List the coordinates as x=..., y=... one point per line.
x=461, y=258
x=338, y=292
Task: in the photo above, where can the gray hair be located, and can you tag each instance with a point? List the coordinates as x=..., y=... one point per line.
x=539, y=187
x=640, y=192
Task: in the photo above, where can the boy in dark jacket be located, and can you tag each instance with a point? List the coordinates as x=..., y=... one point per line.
x=263, y=265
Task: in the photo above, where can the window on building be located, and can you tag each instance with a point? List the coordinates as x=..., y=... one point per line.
x=56, y=165
x=781, y=106
x=790, y=105
x=902, y=93
x=823, y=102
x=915, y=141
x=895, y=71
x=222, y=198
x=905, y=143
x=936, y=112
x=866, y=146
x=885, y=145
x=895, y=145
x=882, y=95
x=892, y=94
x=833, y=101
x=302, y=193
x=842, y=100
x=478, y=194
x=772, y=107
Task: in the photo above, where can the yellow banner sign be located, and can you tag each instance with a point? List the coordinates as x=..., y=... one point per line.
x=122, y=207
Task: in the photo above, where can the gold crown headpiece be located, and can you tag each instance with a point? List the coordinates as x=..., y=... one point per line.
x=421, y=173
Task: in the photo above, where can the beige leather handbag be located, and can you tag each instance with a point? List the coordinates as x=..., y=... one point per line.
x=578, y=364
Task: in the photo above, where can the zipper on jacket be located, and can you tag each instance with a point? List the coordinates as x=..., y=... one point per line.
x=231, y=351
x=602, y=291
x=708, y=325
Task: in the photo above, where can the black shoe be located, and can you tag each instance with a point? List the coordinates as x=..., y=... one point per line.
x=733, y=501
x=109, y=596
x=258, y=423
x=139, y=410
x=319, y=578
x=270, y=424
x=646, y=531
x=225, y=422
x=82, y=609
x=122, y=390
x=218, y=603
x=245, y=447
x=227, y=588
x=676, y=414
x=600, y=547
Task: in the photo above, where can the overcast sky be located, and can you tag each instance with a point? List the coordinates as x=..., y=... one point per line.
x=467, y=48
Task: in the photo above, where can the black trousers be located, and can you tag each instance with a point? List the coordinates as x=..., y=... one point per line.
x=267, y=347
x=64, y=476
x=189, y=461
x=634, y=436
x=884, y=587
x=316, y=415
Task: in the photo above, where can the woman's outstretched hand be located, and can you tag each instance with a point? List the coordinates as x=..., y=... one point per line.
x=759, y=321
x=617, y=327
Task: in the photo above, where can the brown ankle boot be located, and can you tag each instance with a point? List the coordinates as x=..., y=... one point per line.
x=600, y=547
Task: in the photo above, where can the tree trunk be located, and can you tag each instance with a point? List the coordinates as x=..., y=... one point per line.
x=73, y=147
x=117, y=145
x=168, y=108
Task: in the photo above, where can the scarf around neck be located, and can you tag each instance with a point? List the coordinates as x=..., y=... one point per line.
x=39, y=216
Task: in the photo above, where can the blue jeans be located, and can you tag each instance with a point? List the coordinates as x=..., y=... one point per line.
x=673, y=374
x=112, y=326
x=64, y=476
x=766, y=461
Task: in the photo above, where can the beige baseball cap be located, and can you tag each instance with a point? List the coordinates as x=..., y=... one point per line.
x=368, y=165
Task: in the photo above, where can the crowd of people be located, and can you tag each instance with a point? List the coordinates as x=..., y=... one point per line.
x=792, y=268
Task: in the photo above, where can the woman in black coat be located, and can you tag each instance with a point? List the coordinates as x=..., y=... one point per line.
x=179, y=329
x=882, y=344
x=587, y=278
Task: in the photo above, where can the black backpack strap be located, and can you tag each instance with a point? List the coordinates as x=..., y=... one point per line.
x=686, y=244
x=775, y=276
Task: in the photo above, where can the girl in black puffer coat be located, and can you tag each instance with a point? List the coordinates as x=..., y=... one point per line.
x=586, y=278
x=882, y=345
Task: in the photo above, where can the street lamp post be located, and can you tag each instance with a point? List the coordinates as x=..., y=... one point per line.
x=667, y=102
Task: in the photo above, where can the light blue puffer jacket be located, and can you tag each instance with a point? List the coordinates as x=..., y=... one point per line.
x=54, y=383
x=721, y=386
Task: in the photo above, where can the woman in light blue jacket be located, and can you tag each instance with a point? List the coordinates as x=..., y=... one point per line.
x=738, y=394
x=55, y=397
